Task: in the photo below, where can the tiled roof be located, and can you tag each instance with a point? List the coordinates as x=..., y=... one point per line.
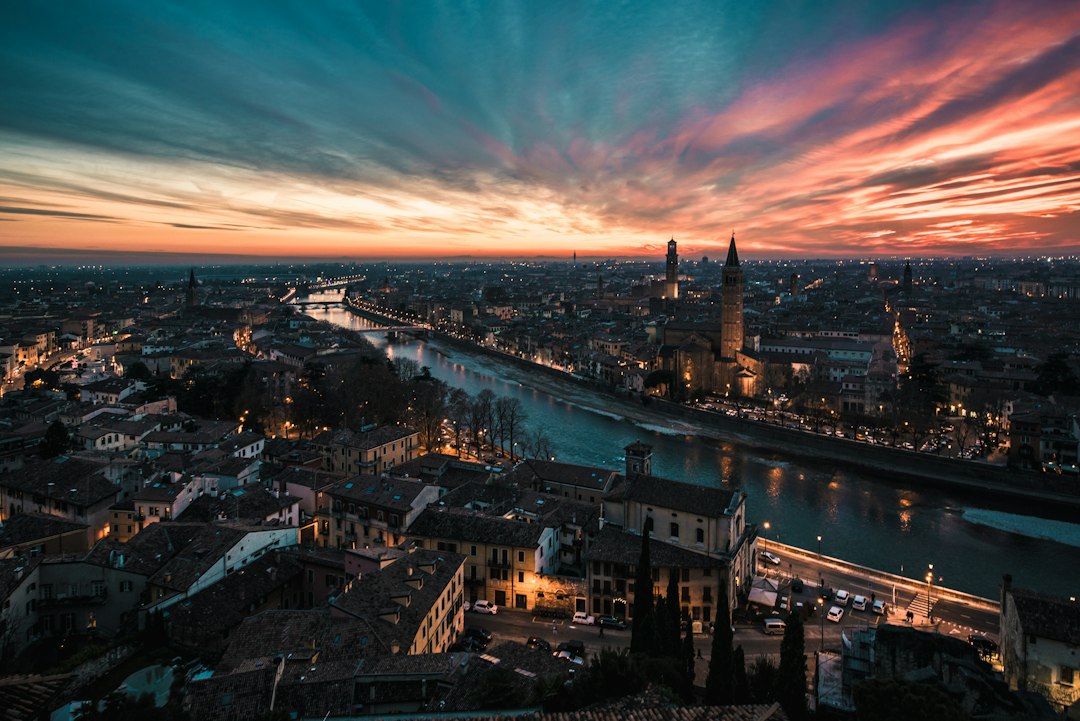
x=617, y=546
x=1048, y=616
x=205, y=549
x=24, y=697
x=301, y=634
x=27, y=527
x=463, y=525
x=246, y=503
x=221, y=607
x=373, y=593
x=62, y=478
x=394, y=493
x=363, y=441
x=688, y=497
x=12, y=573
x=533, y=471
x=148, y=550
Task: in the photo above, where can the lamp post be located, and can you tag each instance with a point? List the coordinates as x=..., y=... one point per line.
x=765, y=537
x=819, y=547
x=929, y=585
x=821, y=601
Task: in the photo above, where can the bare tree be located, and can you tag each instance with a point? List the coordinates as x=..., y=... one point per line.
x=511, y=418
x=458, y=407
x=427, y=410
x=536, y=444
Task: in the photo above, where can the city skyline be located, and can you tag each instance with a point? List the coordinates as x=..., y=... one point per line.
x=424, y=131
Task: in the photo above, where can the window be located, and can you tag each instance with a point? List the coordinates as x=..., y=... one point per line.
x=686, y=575
x=1067, y=676
x=686, y=594
x=472, y=551
x=125, y=586
x=521, y=577
x=701, y=535
x=706, y=594
x=521, y=556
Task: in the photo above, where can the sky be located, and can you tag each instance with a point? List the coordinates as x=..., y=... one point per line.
x=364, y=130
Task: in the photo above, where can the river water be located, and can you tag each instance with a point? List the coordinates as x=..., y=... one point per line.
x=883, y=524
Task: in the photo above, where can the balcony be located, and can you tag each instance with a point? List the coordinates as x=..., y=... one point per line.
x=492, y=563
x=88, y=599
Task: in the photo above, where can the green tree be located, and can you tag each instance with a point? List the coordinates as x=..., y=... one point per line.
x=643, y=628
x=56, y=440
x=891, y=700
x=791, y=677
x=688, y=660
x=762, y=681
x=720, y=683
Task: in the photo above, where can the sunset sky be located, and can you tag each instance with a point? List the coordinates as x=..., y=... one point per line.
x=419, y=129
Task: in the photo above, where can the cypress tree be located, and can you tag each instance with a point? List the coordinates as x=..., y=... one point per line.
x=673, y=623
x=688, y=659
x=643, y=630
x=791, y=677
x=720, y=683
x=742, y=683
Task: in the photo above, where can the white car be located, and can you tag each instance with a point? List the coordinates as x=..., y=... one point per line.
x=583, y=619
x=835, y=614
x=859, y=603
x=879, y=608
x=485, y=607
x=842, y=597
x=770, y=557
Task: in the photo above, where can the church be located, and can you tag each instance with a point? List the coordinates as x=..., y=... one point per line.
x=709, y=357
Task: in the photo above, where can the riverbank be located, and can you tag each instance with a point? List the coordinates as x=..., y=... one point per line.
x=969, y=477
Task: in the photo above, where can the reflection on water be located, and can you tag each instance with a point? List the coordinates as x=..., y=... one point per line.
x=860, y=517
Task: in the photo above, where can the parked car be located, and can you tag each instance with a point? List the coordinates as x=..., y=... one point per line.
x=986, y=647
x=481, y=633
x=467, y=606
x=770, y=557
x=572, y=658
x=879, y=608
x=835, y=614
x=612, y=622
x=538, y=643
x=859, y=603
x=485, y=607
x=583, y=619
x=468, y=644
x=576, y=648
x=773, y=627
x=841, y=598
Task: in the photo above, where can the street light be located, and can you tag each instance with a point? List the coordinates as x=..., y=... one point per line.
x=765, y=537
x=819, y=547
x=821, y=602
x=929, y=602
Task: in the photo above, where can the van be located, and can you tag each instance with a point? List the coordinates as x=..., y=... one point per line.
x=774, y=627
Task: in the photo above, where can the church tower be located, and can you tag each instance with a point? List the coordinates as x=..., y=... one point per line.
x=907, y=277
x=731, y=305
x=191, y=296
x=671, y=283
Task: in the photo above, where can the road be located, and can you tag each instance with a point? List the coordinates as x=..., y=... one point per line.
x=950, y=618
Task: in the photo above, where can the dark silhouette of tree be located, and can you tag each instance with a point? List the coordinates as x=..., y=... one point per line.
x=742, y=683
x=138, y=371
x=720, y=683
x=1056, y=376
x=791, y=677
x=891, y=700
x=56, y=441
x=643, y=628
x=762, y=681
x=672, y=621
x=688, y=660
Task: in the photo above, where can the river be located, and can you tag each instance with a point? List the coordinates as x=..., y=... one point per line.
x=883, y=524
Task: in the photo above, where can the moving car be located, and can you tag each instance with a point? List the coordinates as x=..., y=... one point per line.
x=468, y=644
x=841, y=598
x=774, y=627
x=485, y=607
x=879, y=608
x=859, y=603
x=612, y=622
x=835, y=614
x=770, y=557
x=583, y=619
